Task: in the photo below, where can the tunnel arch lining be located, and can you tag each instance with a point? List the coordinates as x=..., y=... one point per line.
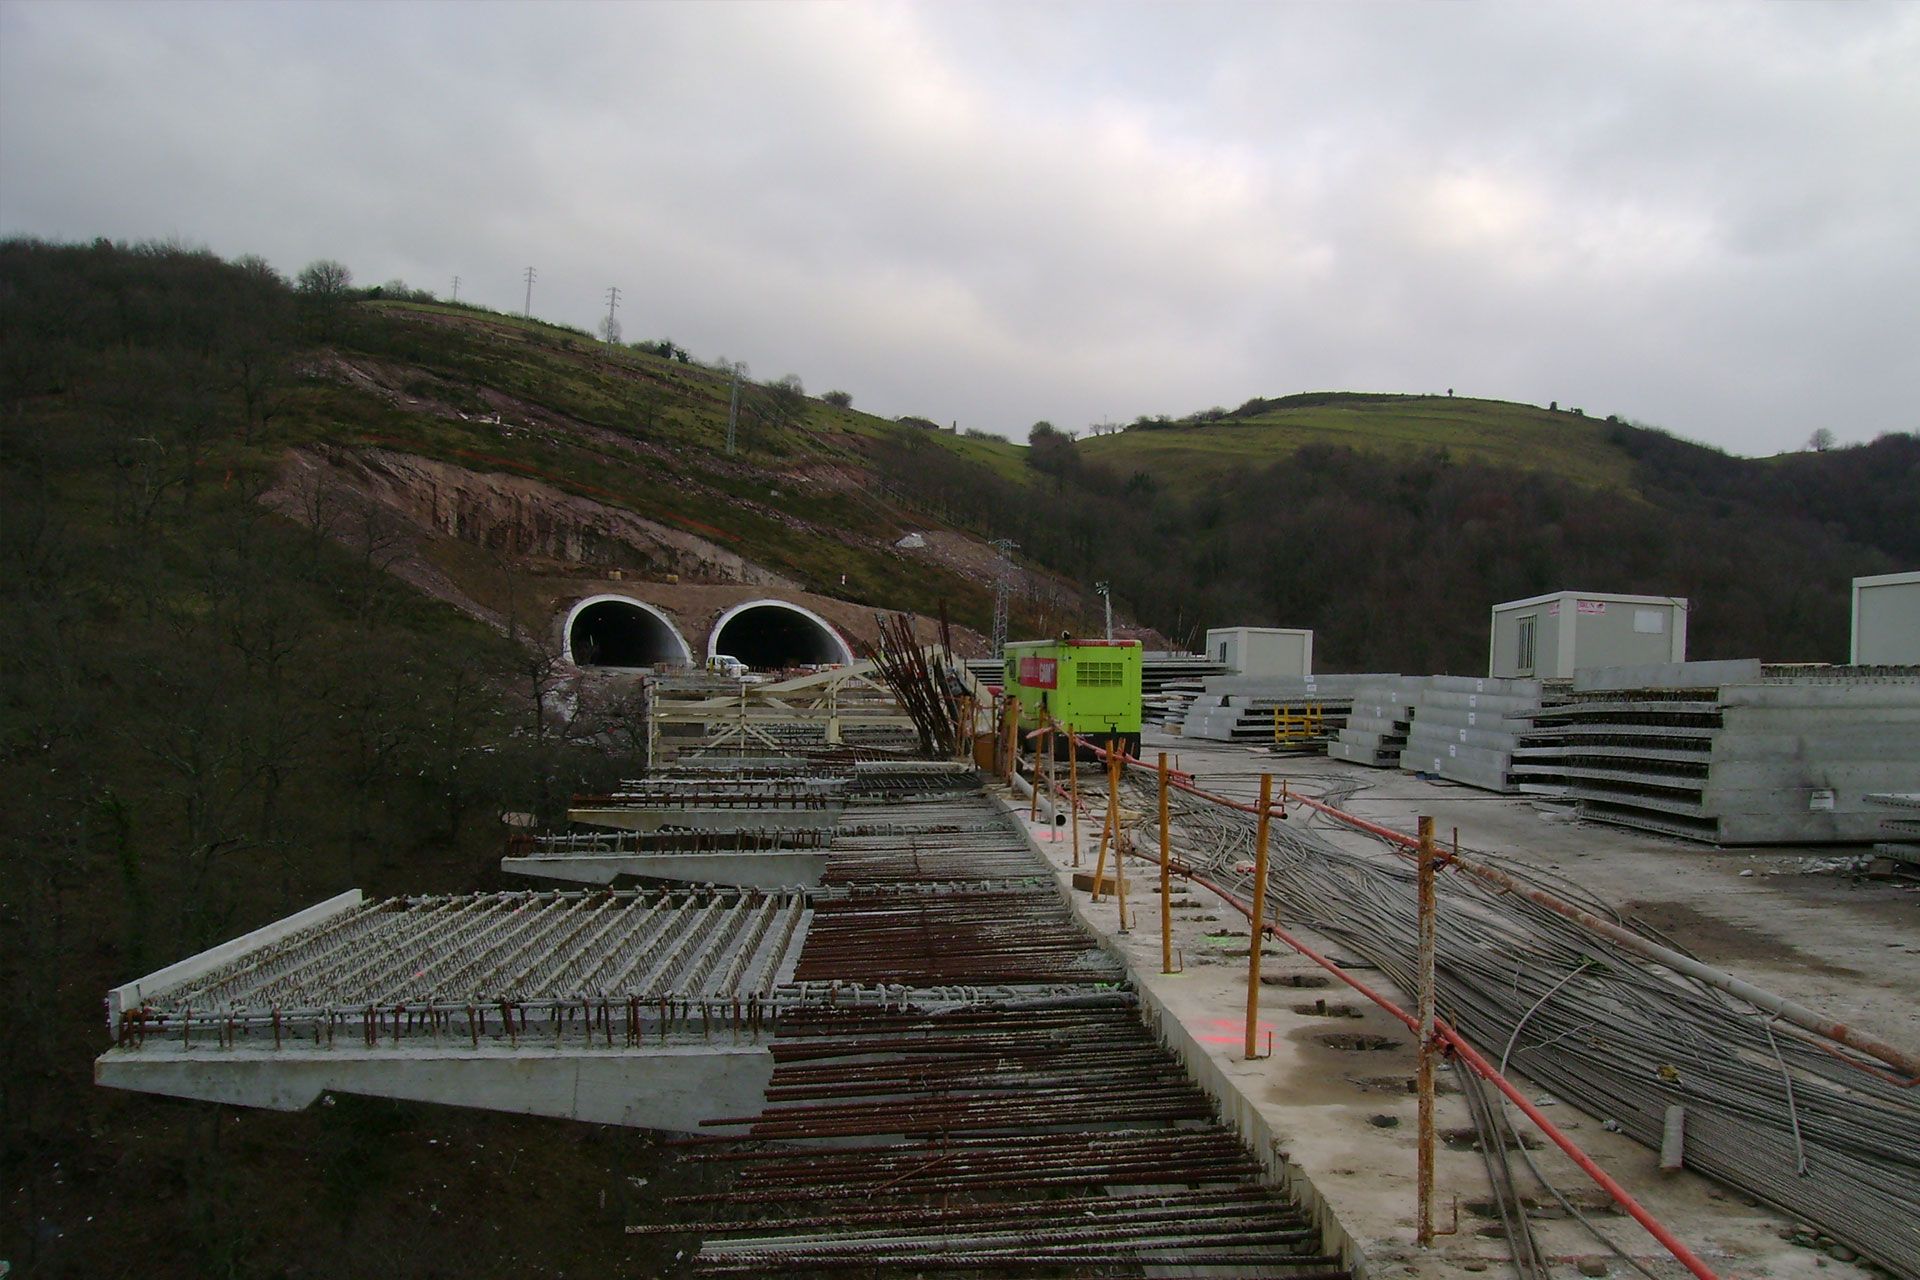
x=684, y=650
x=843, y=652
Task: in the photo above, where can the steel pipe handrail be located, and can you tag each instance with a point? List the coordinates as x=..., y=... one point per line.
x=1779, y=1006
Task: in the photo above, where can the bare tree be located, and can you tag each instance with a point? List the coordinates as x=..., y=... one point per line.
x=783, y=401
x=324, y=289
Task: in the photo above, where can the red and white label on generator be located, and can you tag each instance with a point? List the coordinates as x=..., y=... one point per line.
x=1040, y=673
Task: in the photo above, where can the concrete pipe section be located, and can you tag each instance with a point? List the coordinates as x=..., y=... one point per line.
x=772, y=635
x=619, y=631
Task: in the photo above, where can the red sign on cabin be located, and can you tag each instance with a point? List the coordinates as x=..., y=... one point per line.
x=1040, y=673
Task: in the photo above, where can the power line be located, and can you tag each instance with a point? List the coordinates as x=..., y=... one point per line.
x=733, y=409
x=530, y=276
x=613, y=301
x=456, y=289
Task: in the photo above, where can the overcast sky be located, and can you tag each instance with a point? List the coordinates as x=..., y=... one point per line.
x=1701, y=216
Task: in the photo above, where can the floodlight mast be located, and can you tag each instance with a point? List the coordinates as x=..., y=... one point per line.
x=1106, y=593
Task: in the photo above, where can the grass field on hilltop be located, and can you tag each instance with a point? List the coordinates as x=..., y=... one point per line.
x=1188, y=456
x=1004, y=456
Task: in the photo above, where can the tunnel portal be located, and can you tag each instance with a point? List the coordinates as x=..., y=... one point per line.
x=771, y=635
x=615, y=631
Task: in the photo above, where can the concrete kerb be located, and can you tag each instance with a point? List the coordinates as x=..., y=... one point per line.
x=1236, y=1108
x=671, y=1087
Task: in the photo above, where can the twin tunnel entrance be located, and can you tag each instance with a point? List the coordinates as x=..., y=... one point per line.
x=768, y=635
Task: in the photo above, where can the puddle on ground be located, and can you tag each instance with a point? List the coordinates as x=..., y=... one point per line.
x=1321, y=1009
x=1356, y=1042
x=1719, y=940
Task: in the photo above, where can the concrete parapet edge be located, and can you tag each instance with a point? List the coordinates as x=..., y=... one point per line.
x=1236, y=1108
x=773, y=869
x=130, y=995
x=673, y=1087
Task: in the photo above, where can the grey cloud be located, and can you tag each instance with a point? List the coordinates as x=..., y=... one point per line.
x=1700, y=215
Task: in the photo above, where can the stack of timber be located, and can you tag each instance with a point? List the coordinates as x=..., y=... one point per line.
x=1378, y=721
x=1738, y=753
x=1467, y=730
x=1302, y=712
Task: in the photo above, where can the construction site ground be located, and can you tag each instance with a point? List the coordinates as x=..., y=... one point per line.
x=1795, y=921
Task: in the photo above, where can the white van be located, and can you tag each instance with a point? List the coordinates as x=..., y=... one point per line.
x=727, y=665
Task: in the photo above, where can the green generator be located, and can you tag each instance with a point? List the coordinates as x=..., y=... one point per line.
x=1090, y=686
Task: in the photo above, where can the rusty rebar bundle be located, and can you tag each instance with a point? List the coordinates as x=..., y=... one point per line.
x=923, y=682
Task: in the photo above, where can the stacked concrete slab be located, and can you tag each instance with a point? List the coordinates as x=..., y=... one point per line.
x=1243, y=708
x=1466, y=729
x=1737, y=753
x=1165, y=702
x=1378, y=720
x=1900, y=847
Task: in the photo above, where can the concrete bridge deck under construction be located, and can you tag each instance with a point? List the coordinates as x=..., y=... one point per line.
x=950, y=1068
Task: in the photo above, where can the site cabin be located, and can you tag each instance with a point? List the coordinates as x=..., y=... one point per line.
x=1886, y=620
x=1092, y=686
x=1550, y=637
x=1276, y=652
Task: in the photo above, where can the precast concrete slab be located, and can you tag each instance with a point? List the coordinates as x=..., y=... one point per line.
x=1358, y=754
x=1668, y=675
x=418, y=961
x=617, y=818
x=615, y=1008
x=651, y=1086
x=769, y=869
x=1428, y=733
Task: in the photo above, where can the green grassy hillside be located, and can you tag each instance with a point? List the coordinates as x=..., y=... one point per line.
x=1189, y=455
x=1390, y=524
